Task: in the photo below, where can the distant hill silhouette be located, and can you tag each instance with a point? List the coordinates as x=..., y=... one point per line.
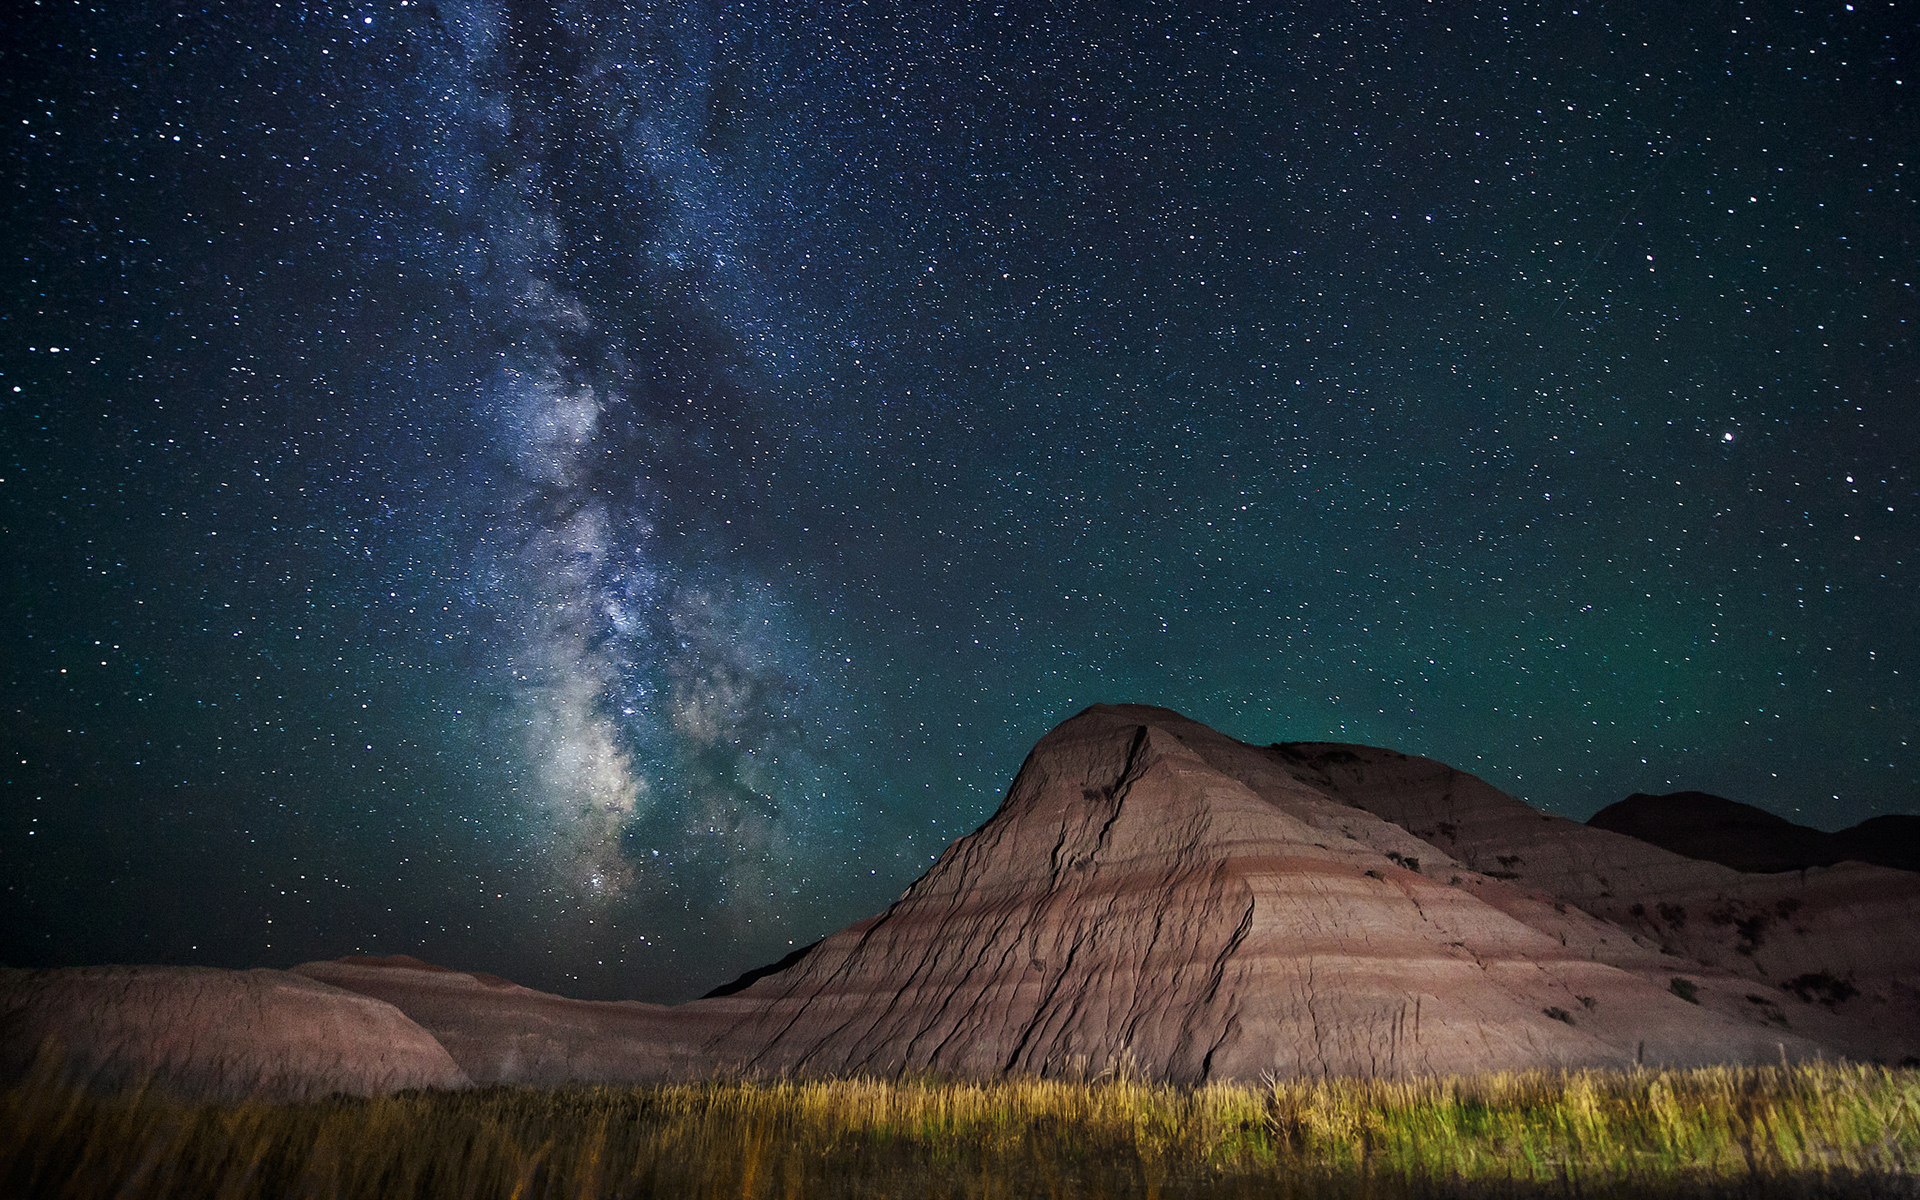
x=1716, y=829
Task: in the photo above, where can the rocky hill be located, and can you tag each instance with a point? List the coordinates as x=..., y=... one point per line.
x=225, y=1035
x=1157, y=898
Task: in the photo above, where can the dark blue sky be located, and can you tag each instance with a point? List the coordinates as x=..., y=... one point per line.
x=601, y=493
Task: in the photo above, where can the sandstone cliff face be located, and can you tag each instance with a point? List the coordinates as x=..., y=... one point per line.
x=227, y=1035
x=1832, y=952
x=1153, y=896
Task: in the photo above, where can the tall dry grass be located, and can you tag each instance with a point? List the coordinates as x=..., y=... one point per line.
x=1809, y=1130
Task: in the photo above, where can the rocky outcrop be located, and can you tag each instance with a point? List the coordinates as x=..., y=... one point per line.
x=1829, y=952
x=500, y=1032
x=1715, y=829
x=1156, y=897
x=198, y=1031
x=1152, y=897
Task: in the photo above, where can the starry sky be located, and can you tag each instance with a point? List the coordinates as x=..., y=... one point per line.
x=604, y=492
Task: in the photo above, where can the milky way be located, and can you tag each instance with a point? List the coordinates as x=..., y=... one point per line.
x=656, y=683
x=603, y=493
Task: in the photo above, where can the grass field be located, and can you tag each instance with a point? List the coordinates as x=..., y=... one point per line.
x=1810, y=1130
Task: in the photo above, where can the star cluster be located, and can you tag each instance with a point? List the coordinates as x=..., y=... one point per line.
x=603, y=492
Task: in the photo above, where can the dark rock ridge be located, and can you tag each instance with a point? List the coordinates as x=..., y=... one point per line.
x=744, y=981
x=1892, y=840
x=1715, y=829
x=1155, y=897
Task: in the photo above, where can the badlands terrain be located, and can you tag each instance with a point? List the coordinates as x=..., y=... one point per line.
x=1154, y=898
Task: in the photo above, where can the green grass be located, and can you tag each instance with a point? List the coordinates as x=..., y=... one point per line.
x=1809, y=1130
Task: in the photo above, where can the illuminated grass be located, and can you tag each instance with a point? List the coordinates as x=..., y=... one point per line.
x=1811, y=1130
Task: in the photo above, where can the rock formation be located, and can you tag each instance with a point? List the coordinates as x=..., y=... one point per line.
x=500, y=1032
x=214, y=1034
x=1152, y=897
x=1830, y=952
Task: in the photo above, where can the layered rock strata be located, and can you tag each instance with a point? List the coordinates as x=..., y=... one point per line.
x=1829, y=952
x=1154, y=896
x=502, y=1033
x=213, y=1034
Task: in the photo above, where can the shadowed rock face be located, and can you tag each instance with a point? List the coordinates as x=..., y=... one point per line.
x=1746, y=838
x=226, y=1035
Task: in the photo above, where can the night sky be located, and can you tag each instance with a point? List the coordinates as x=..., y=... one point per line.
x=604, y=493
